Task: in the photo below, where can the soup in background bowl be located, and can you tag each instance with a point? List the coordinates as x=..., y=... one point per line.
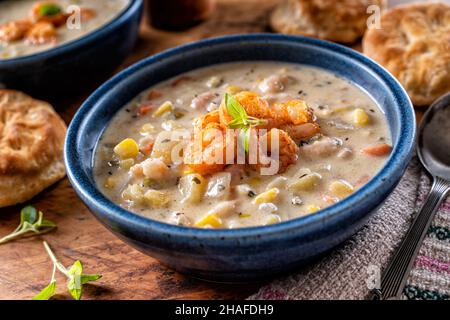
x=43, y=53
x=321, y=160
x=242, y=253
x=29, y=26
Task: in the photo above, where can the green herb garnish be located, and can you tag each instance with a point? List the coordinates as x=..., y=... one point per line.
x=241, y=120
x=74, y=274
x=30, y=221
x=49, y=9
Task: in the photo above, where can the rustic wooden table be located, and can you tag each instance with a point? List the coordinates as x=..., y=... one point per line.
x=127, y=274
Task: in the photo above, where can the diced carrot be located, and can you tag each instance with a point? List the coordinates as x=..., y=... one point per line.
x=180, y=80
x=330, y=200
x=362, y=180
x=153, y=94
x=145, y=108
x=378, y=150
x=148, y=148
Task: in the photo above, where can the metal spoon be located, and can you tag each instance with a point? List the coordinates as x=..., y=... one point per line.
x=433, y=148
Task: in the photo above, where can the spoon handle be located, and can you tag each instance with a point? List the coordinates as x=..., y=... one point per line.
x=394, y=278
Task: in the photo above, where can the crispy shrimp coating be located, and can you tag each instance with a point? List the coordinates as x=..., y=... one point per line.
x=47, y=11
x=14, y=30
x=290, y=122
x=41, y=33
x=286, y=148
x=287, y=115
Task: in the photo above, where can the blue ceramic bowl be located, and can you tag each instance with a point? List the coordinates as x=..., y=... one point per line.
x=78, y=64
x=249, y=253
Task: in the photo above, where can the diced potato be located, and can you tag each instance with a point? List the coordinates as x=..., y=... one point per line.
x=273, y=219
x=245, y=190
x=312, y=208
x=210, y=220
x=341, y=109
x=360, y=117
x=134, y=193
x=268, y=208
x=219, y=185
x=126, y=164
x=146, y=129
x=163, y=147
x=156, y=199
x=268, y=196
x=278, y=182
x=170, y=125
x=234, y=89
x=127, y=148
x=192, y=187
x=164, y=108
x=110, y=183
x=214, y=82
x=224, y=209
x=306, y=183
x=341, y=188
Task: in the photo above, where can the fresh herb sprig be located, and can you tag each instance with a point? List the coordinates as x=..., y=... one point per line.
x=30, y=221
x=49, y=9
x=75, y=278
x=241, y=120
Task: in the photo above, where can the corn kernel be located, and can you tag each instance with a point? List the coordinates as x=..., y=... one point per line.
x=211, y=220
x=306, y=183
x=234, y=89
x=272, y=219
x=110, y=183
x=341, y=189
x=360, y=117
x=312, y=208
x=126, y=149
x=164, y=108
x=156, y=198
x=146, y=129
x=126, y=164
x=245, y=215
x=268, y=196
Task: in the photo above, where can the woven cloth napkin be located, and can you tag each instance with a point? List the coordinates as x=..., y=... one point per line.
x=349, y=270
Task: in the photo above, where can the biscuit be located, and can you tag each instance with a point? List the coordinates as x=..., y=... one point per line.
x=31, y=147
x=414, y=45
x=341, y=21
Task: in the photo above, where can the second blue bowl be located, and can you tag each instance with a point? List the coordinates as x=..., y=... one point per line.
x=73, y=67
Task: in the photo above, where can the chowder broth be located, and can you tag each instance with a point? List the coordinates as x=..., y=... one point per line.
x=12, y=11
x=352, y=145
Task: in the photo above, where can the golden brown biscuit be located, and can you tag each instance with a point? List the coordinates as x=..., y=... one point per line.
x=414, y=45
x=31, y=147
x=341, y=21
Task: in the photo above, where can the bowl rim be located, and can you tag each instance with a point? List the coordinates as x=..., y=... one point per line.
x=386, y=178
x=102, y=31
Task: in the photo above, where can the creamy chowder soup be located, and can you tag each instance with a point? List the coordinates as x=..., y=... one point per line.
x=324, y=136
x=30, y=26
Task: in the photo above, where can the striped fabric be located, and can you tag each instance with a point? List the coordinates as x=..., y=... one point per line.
x=346, y=272
x=430, y=278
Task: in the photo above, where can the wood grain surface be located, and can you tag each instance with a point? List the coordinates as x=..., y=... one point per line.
x=127, y=274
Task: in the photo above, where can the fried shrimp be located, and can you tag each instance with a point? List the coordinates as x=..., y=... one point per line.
x=41, y=33
x=47, y=11
x=285, y=152
x=14, y=30
x=289, y=122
